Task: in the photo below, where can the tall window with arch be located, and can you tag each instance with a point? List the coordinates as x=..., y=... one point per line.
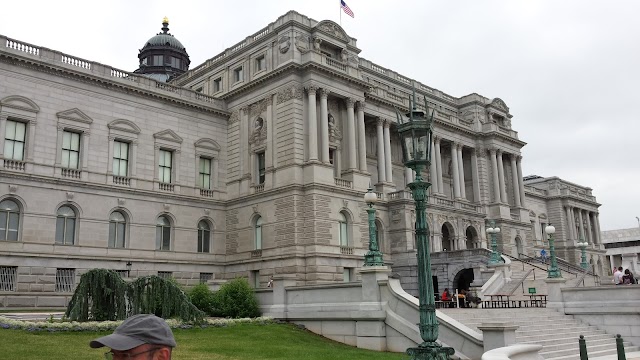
x=163, y=233
x=117, y=230
x=258, y=233
x=66, y=225
x=204, y=237
x=344, y=229
x=9, y=220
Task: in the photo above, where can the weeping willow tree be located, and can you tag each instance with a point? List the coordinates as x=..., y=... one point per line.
x=103, y=295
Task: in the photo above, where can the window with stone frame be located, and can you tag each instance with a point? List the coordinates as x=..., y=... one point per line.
x=347, y=274
x=261, y=63
x=261, y=163
x=163, y=233
x=70, y=150
x=66, y=221
x=165, y=166
x=204, y=236
x=9, y=220
x=8, y=278
x=165, y=274
x=217, y=85
x=205, y=277
x=65, y=280
x=14, y=140
x=238, y=74
x=117, y=230
x=258, y=234
x=120, y=158
x=204, y=173
x=344, y=229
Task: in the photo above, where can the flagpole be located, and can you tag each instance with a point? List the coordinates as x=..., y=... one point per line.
x=340, y=11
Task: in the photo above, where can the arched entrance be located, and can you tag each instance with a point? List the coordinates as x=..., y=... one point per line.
x=448, y=237
x=463, y=279
x=519, y=248
x=472, y=238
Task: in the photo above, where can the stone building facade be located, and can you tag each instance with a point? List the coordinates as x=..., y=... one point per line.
x=252, y=164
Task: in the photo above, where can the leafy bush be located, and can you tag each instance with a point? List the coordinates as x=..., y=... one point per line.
x=236, y=299
x=203, y=299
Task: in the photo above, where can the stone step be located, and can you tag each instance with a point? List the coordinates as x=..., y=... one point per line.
x=535, y=338
x=573, y=344
x=547, y=341
x=575, y=350
x=575, y=329
x=593, y=354
x=524, y=328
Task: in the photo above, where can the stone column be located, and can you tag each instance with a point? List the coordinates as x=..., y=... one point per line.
x=362, y=148
x=569, y=233
x=516, y=183
x=463, y=190
x=611, y=265
x=312, y=124
x=3, y=132
x=408, y=176
x=456, y=171
x=110, y=159
x=589, y=236
x=494, y=170
x=324, y=126
x=31, y=141
x=351, y=135
x=382, y=173
x=580, y=225
x=597, y=226
x=520, y=181
x=387, y=152
x=439, y=166
x=475, y=177
x=432, y=170
x=573, y=223
x=503, y=186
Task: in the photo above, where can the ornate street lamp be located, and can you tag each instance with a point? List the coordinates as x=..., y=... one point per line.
x=373, y=256
x=583, y=247
x=493, y=231
x=416, y=133
x=553, y=272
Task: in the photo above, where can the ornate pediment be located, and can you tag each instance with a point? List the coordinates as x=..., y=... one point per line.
x=330, y=28
x=168, y=135
x=124, y=125
x=19, y=102
x=499, y=104
x=74, y=115
x=206, y=143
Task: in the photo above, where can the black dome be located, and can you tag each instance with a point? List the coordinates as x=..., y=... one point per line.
x=163, y=56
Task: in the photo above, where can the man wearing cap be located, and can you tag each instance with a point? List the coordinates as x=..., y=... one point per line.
x=140, y=337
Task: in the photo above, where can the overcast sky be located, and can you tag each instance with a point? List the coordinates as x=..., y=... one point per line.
x=568, y=70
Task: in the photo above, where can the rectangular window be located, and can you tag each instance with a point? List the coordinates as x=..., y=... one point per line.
x=164, y=166
x=204, y=277
x=261, y=63
x=204, y=173
x=238, y=74
x=120, y=158
x=165, y=274
x=70, y=150
x=217, y=85
x=332, y=161
x=14, y=140
x=542, y=226
x=347, y=274
x=175, y=62
x=255, y=278
x=65, y=280
x=123, y=273
x=261, y=168
x=8, y=278
x=158, y=60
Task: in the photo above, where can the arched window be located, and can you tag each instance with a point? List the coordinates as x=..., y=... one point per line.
x=204, y=236
x=163, y=233
x=117, y=230
x=66, y=225
x=344, y=234
x=258, y=233
x=9, y=220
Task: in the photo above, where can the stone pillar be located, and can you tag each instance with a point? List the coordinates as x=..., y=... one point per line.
x=456, y=171
x=597, y=226
x=432, y=169
x=580, y=225
x=611, y=264
x=498, y=334
x=503, y=186
x=554, y=295
x=475, y=177
x=589, y=236
x=520, y=181
x=516, y=183
x=382, y=173
x=496, y=182
x=312, y=124
x=351, y=135
x=408, y=176
x=324, y=126
x=463, y=190
x=362, y=148
x=439, y=166
x=387, y=152
x=569, y=233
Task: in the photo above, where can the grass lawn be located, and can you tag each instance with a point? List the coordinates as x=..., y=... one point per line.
x=245, y=341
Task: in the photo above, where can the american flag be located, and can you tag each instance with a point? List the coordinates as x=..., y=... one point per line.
x=345, y=8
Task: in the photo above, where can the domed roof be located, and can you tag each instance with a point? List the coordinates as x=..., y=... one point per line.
x=164, y=38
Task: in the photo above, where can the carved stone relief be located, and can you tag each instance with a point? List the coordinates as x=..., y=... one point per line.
x=302, y=43
x=334, y=130
x=234, y=117
x=293, y=92
x=332, y=29
x=259, y=132
x=285, y=43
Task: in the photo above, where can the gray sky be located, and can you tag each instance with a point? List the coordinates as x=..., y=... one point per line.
x=566, y=69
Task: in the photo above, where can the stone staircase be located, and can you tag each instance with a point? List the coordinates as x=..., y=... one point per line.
x=556, y=332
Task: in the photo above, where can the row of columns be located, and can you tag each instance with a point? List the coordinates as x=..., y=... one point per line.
x=499, y=184
x=590, y=232
x=457, y=167
x=355, y=135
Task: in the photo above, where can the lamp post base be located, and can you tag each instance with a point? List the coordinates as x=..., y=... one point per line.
x=373, y=258
x=430, y=351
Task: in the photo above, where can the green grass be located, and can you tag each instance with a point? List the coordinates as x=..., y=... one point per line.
x=246, y=341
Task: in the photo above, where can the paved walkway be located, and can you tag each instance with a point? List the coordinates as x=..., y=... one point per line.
x=32, y=316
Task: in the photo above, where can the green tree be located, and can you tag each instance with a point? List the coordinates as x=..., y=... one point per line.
x=236, y=299
x=203, y=298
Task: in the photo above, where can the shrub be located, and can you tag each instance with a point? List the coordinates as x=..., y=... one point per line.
x=202, y=298
x=236, y=299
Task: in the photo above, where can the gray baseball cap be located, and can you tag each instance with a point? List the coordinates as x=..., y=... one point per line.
x=135, y=331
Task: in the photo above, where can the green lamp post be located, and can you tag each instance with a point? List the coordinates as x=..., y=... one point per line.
x=493, y=231
x=373, y=257
x=553, y=272
x=415, y=129
x=583, y=248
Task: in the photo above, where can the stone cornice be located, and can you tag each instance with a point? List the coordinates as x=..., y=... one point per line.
x=111, y=84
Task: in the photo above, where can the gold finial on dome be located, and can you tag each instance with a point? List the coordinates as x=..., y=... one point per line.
x=165, y=20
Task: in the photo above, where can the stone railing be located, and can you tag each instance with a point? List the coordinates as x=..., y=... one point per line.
x=335, y=63
x=121, y=180
x=97, y=69
x=343, y=183
x=207, y=192
x=18, y=165
x=379, y=195
x=346, y=250
x=258, y=188
x=72, y=173
x=256, y=253
x=402, y=194
x=445, y=202
x=166, y=187
x=466, y=206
